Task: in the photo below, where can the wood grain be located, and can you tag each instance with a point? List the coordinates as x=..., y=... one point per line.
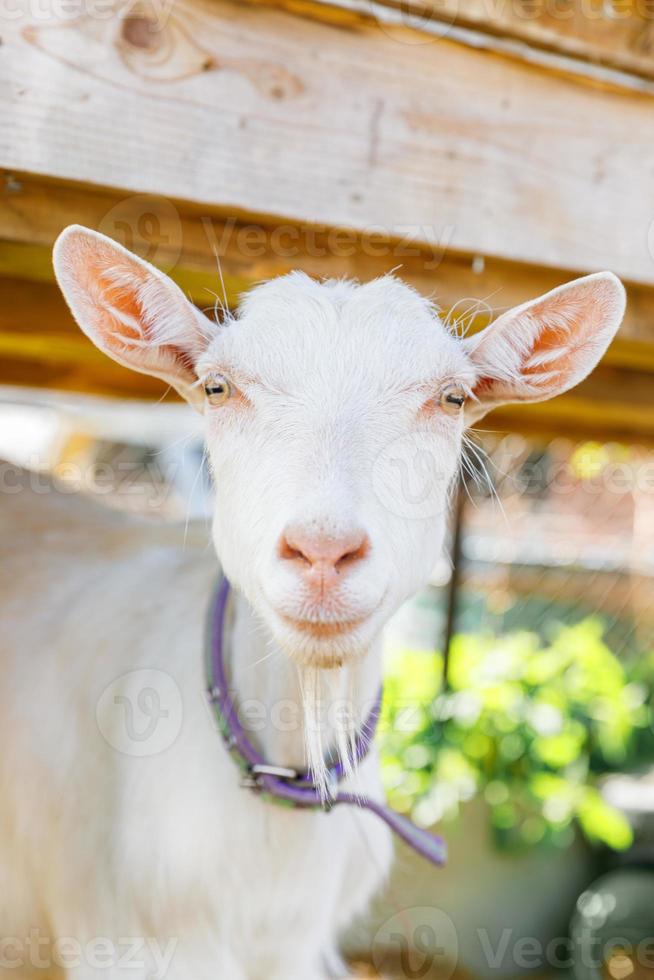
x=264, y=113
x=617, y=34
x=185, y=239
x=41, y=347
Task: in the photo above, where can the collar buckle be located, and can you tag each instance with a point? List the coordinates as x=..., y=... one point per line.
x=252, y=778
x=279, y=772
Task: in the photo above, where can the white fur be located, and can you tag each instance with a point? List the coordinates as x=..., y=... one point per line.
x=99, y=843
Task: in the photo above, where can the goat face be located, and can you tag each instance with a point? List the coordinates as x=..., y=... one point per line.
x=335, y=415
x=328, y=394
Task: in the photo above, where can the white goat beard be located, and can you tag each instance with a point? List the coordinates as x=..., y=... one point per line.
x=333, y=739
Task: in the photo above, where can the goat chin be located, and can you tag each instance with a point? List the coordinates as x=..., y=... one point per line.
x=329, y=652
x=332, y=655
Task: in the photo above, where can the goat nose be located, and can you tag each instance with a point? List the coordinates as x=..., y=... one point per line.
x=327, y=554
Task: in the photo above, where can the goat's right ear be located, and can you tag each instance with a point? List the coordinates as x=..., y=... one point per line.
x=130, y=310
x=545, y=347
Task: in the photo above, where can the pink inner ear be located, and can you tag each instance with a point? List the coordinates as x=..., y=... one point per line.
x=124, y=325
x=563, y=329
x=483, y=388
x=549, y=362
x=129, y=324
x=558, y=331
x=109, y=290
x=130, y=310
x=545, y=347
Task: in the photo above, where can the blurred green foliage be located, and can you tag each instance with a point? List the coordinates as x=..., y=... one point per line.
x=531, y=726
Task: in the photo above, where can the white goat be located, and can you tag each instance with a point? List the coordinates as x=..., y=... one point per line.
x=315, y=396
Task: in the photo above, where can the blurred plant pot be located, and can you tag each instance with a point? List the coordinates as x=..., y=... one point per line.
x=488, y=912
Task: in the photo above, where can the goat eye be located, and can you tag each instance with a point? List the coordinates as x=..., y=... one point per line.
x=217, y=389
x=452, y=399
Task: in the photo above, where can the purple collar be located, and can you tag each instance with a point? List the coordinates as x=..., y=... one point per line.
x=286, y=786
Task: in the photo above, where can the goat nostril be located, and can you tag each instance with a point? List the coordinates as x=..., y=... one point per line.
x=350, y=557
x=289, y=553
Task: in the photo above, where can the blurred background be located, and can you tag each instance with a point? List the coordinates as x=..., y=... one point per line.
x=487, y=151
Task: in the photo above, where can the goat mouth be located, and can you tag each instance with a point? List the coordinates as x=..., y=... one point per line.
x=322, y=630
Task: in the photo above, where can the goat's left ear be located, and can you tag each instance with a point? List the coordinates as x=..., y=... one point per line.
x=544, y=347
x=130, y=310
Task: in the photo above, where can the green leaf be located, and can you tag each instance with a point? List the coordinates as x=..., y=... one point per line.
x=602, y=822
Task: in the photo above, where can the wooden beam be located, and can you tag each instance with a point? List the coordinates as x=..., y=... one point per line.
x=41, y=347
x=184, y=239
x=618, y=35
x=259, y=112
x=612, y=404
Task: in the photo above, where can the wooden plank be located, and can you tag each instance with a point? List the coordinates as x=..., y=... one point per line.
x=618, y=34
x=184, y=241
x=611, y=404
x=41, y=347
x=263, y=113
